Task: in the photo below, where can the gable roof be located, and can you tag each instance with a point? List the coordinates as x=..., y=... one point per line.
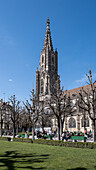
x=76, y=91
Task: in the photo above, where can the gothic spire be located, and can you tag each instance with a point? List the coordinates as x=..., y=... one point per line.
x=48, y=40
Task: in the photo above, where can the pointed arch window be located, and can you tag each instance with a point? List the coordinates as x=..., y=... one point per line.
x=72, y=123
x=42, y=86
x=42, y=59
x=52, y=60
x=86, y=121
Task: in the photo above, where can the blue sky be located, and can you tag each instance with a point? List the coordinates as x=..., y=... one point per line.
x=22, y=32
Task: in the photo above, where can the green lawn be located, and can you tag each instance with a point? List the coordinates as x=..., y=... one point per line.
x=15, y=155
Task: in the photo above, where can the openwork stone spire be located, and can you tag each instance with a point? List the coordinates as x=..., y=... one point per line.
x=48, y=40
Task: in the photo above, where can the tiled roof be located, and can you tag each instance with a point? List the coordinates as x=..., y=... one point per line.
x=74, y=92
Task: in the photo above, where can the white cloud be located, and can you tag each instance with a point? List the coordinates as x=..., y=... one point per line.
x=10, y=80
x=84, y=79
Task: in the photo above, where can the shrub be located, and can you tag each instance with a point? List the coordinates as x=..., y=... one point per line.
x=5, y=138
x=22, y=140
x=66, y=144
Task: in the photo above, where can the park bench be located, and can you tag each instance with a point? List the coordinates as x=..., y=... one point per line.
x=22, y=135
x=47, y=136
x=80, y=138
x=44, y=137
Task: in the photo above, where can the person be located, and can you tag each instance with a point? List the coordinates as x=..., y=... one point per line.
x=50, y=133
x=64, y=136
x=55, y=133
x=26, y=135
x=85, y=131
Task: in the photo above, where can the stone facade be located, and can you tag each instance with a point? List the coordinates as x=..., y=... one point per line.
x=47, y=75
x=78, y=115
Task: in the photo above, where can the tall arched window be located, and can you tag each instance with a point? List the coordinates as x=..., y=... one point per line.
x=86, y=122
x=72, y=123
x=52, y=60
x=82, y=122
x=42, y=86
x=42, y=59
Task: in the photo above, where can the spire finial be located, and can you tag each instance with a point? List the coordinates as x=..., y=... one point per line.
x=48, y=40
x=48, y=24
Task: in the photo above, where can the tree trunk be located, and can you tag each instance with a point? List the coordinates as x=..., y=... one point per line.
x=1, y=127
x=94, y=132
x=62, y=125
x=17, y=129
x=33, y=130
x=58, y=128
x=14, y=130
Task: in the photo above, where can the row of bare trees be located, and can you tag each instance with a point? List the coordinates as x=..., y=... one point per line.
x=86, y=100
x=23, y=117
x=60, y=106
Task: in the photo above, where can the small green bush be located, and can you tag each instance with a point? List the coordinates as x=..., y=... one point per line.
x=22, y=140
x=5, y=138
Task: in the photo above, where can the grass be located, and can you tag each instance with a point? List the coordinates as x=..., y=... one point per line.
x=26, y=156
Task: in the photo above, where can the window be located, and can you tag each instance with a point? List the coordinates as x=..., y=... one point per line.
x=52, y=68
x=42, y=82
x=42, y=85
x=52, y=60
x=86, y=121
x=42, y=67
x=42, y=89
x=42, y=59
x=72, y=123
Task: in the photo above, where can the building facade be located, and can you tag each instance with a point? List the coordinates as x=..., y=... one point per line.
x=47, y=76
x=76, y=122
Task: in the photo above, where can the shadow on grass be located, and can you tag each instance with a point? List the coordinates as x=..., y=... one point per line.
x=24, y=161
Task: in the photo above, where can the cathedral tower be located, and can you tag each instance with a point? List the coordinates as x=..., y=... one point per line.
x=47, y=75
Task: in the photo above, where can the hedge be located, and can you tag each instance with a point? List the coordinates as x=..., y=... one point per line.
x=27, y=140
x=66, y=144
x=5, y=138
x=53, y=142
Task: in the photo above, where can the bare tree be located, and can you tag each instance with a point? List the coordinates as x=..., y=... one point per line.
x=14, y=111
x=68, y=107
x=32, y=111
x=44, y=118
x=4, y=116
x=88, y=99
x=2, y=107
x=61, y=106
x=82, y=111
x=25, y=122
